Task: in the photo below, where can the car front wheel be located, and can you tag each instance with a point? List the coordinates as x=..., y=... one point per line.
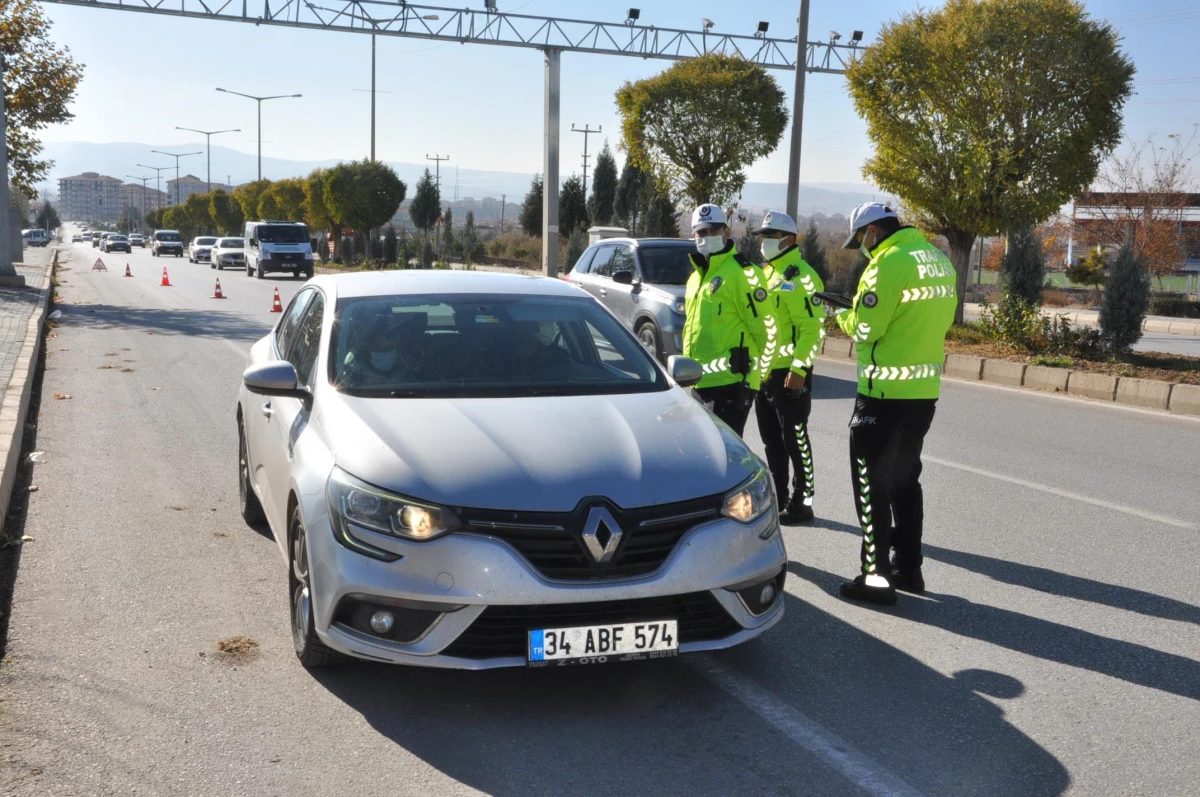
x=311, y=651
x=252, y=511
x=648, y=334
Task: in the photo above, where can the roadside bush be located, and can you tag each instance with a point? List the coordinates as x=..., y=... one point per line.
x=1126, y=300
x=516, y=245
x=1019, y=324
x=1174, y=306
x=576, y=244
x=1051, y=361
x=969, y=332
x=1024, y=266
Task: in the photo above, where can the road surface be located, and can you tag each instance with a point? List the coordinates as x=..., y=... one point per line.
x=1056, y=652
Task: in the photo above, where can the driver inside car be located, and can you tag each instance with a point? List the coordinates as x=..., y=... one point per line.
x=388, y=356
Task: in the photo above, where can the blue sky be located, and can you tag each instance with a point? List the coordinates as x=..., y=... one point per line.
x=483, y=105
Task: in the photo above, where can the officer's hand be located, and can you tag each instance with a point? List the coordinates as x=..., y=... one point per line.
x=793, y=381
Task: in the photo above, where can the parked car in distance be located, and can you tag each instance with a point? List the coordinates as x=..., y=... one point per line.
x=166, y=242
x=199, y=248
x=137, y=239
x=35, y=237
x=116, y=242
x=228, y=252
x=413, y=440
x=96, y=239
x=76, y=239
x=642, y=281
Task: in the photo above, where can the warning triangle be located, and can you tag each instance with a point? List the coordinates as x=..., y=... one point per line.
x=99, y=265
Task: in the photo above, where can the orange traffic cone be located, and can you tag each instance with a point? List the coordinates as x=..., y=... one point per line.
x=217, y=293
x=166, y=282
x=128, y=273
x=277, y=307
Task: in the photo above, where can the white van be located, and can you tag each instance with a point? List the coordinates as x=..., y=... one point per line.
x=278, y=246
x=35, y=237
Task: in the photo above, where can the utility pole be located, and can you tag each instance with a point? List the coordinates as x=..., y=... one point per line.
x=587, y=132
x=437, y=168
x=503, y=201
x=260, y=101
x=9, y=277
x=144, y=180
x=373, y=91
x=550, y=166
x=208, y=134
x=176, y=157
x=158, y=170
x=793, y=191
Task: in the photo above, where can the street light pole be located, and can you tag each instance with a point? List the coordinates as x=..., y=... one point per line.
x=142, y=221
x=260, y=101
x=208, y=134
x=793, y=191
x=176, y=157
x=158, y=170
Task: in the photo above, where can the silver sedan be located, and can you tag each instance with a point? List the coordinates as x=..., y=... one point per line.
x=477, y=470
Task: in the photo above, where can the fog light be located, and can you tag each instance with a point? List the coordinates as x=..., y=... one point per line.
x=381, y=622
x=767, y=595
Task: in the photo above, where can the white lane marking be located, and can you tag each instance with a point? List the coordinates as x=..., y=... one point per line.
x=1045, y=488
x=832, y=749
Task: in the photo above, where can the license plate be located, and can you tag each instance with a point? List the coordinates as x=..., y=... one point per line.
x=596, y=644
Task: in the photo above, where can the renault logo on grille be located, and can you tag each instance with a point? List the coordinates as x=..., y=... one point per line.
x=601, y=534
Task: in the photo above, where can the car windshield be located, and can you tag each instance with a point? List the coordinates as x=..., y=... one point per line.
x=168, y=236
x=232, y=243
x=117, y=238
x=468, y=346
x=205, y=241
x=282, y=234
x=666, y=265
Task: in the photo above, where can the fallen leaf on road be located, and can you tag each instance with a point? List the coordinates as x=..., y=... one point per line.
x=33, y=488
x=110, y=354
x=220, y=534
x=149, y=333
x=156, y=388
x=26, y=538
x=61, y=396
x=237, y=646
x=178, y=508
x=108, y=367
x=129, y=371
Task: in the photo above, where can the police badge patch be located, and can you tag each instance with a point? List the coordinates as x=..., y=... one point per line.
x=760, y=294
x=869, y=299
x=715, y=285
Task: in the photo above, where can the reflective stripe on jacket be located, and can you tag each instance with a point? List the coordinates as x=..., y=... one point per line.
x=792, y=283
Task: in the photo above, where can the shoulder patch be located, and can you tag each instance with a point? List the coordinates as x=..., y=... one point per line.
x=788, y=286
x=715, y=285
x=760, y=294
x=869, y=299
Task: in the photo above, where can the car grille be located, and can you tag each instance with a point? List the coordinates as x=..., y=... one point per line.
x=289, y=256
x=503, y=631
x=552, y=542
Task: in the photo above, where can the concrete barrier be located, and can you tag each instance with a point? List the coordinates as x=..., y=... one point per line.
x=1154, y=325
x=1041, y=377
x=1097, y=386
x=1144, y=393
x=1185, y=399
x=1004, y=372
x=960, y=366
x=1185, y=328
x=838, y=347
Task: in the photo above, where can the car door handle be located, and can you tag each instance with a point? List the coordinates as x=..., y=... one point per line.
x=266, y=409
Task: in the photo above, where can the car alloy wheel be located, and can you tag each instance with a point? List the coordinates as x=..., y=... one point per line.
x=648, y=334
x=311, y=651
x=252, y=511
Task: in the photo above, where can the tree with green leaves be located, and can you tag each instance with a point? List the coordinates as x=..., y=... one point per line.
x=658, y=217
x=576, y=244
x=701, y=123
x=176, y=218
x=225, y=213
x=363, y=194
x=1024, y=265
x=447, y=232
x=1092, y=270
x=471, y=246
x=572, y=207
x=196, y=208
x=316, y=213
x=248, y=196
x=1126, y=300
x=987, y=115
x=627, y=206
x=604, y=188
x=531, y=208
x=47, y=217
x=813, y=252
x=425, y=209
x=286, y=198
x=40, y=79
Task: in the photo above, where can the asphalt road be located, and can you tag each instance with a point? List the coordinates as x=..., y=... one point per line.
x=1056, y=652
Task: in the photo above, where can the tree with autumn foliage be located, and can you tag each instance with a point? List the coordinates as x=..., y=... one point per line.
x=40, y=79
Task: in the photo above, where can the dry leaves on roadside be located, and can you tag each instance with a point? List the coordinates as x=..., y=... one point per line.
x=62, y=396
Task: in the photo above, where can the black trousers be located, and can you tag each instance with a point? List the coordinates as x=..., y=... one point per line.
x=886, y=436
x=783, y=426
x=730, y=403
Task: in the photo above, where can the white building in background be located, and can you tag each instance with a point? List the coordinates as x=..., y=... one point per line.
x=89, y=197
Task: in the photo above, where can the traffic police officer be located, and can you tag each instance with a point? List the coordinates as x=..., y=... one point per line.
x=725, y=329
x=785, y=399
x=903, y=307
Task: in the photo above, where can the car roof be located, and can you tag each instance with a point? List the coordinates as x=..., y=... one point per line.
x=648, y=242
x=419, y=281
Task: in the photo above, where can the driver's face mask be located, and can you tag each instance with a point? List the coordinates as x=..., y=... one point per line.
x=383, y=360
x=547, y=332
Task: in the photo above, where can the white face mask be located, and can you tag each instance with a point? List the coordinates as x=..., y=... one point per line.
x=866, y=250
x=708, y=245
x=771, y=248
x=383, y=360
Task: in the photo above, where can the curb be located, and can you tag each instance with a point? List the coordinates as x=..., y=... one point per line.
x=15, y=405
x=1147, y=393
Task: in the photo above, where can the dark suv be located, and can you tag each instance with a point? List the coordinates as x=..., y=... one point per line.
x=642, y=282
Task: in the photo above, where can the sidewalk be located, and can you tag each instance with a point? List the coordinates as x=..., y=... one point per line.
x=1091, y=318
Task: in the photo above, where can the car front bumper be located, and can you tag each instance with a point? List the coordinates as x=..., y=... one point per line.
x=469, y=572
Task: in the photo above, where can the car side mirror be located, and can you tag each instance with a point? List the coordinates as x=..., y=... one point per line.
x=684, y=370
x=623, y=277
x=254, y=242
x=276, y=378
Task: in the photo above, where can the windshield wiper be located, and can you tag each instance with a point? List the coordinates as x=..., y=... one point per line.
x=404, y=394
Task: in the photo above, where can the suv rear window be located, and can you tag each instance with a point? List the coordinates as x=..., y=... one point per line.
x=666, y=265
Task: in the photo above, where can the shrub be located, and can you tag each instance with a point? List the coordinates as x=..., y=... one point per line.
x=1051, y=361
x=1126, y=300
x=1020, y=324
x=576, y=244
x=970, y=332
x=1174, y=306
x=1089, y=271
x=1024, y=266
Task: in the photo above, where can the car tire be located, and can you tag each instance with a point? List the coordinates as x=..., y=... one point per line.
x=248, y=503
x=647, y=333
x=211, y=264
x=308, y=273
x=259, y=273
x=311, y=651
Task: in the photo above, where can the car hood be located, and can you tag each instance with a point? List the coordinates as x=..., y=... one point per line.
x=670, y=292
x=537, y=454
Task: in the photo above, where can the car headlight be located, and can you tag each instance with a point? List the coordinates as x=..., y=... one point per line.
x=748, y=501
x=358, y=503
x=308, y=255
x=679, y=307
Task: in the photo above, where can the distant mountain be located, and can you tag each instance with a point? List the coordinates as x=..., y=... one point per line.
x=229, y=165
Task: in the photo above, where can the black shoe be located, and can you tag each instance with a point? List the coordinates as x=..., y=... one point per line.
x=857, y=590
x=796, y=512
x=908, y=581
